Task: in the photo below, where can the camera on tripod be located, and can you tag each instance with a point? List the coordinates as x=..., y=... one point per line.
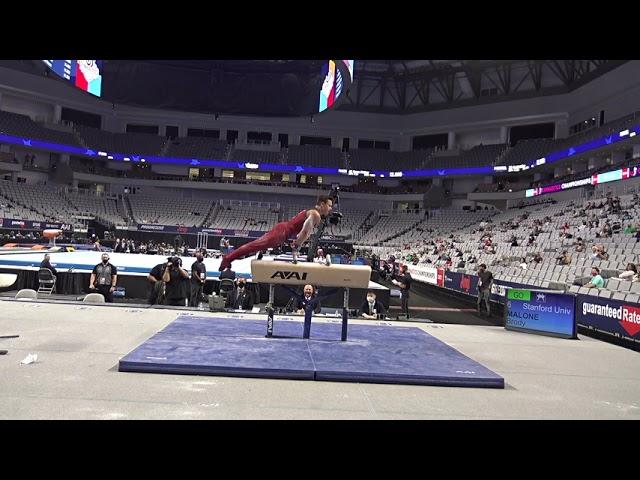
x=335, y=217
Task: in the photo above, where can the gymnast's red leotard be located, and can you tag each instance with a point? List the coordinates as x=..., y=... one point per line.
x=274, y=238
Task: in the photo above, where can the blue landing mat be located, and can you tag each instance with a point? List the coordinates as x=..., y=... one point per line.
x=372, y=353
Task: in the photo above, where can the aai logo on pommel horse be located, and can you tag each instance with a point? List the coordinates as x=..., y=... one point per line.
x=284, y=275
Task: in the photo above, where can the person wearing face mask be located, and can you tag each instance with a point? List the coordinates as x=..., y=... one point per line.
x=104, y=278
x=309, y=296
x=198, y=279
x=596, y=279
x=176, y=281
x=404, y=282
x=240, y=298
x=371, y=307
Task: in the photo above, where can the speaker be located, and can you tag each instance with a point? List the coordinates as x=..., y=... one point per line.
x=601, y=118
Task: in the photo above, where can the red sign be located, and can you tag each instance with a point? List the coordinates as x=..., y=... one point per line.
x=630, y=319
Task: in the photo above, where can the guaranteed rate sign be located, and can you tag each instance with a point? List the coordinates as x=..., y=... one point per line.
x=539, y=311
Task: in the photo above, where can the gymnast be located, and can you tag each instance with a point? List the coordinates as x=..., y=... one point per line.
x=302, y=225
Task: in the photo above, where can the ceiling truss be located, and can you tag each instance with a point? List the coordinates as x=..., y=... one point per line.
x=392, y=86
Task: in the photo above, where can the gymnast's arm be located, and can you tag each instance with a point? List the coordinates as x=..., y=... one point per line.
x=307, y=228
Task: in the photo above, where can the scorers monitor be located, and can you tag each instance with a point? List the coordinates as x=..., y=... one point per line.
x=83, y=74
x=541, y=311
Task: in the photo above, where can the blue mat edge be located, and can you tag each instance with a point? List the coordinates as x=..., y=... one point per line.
x=138, y=367
x=409, y=380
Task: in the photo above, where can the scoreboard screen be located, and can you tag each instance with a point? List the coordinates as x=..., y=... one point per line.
x=541, y=311
x=83, y=74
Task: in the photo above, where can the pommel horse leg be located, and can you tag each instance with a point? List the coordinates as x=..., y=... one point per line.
x=345, y=314
x=270, y=311
x=308, y=312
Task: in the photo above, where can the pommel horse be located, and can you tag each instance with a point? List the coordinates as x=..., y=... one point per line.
x=284, y=273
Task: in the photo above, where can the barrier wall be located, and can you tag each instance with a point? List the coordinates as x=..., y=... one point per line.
x=614, y=318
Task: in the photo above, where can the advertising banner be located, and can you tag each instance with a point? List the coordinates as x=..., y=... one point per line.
x=32, y=225
x=614, y=317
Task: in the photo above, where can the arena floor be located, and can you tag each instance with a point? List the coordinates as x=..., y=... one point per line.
x=79, y=346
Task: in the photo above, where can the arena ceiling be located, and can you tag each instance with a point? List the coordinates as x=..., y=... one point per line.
x=412, y=86
x=290, y=87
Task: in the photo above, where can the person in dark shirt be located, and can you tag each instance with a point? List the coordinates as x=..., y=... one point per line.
x=231, y=275
x=485, y=279
x=404, y=282
x=176, y=281
x=46, y=263
x=104, y=278
x=240, y=298
x=155, y=277
x=372, y=308
x=228, y=273
x=198, y=279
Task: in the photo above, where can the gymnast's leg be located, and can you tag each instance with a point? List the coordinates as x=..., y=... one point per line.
x=277, y=236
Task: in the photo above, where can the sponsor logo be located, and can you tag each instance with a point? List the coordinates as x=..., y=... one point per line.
x=18, y=223
x=465, y=282
x=151, y=227
x=440, y=277
x=289, y=275
x=628, y=317
x=576, y=183
x=182, y=230
x=430, y=275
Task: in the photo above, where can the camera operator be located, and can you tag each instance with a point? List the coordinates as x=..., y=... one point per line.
x=156, y=295
x=375, y=262
x=176, y=281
